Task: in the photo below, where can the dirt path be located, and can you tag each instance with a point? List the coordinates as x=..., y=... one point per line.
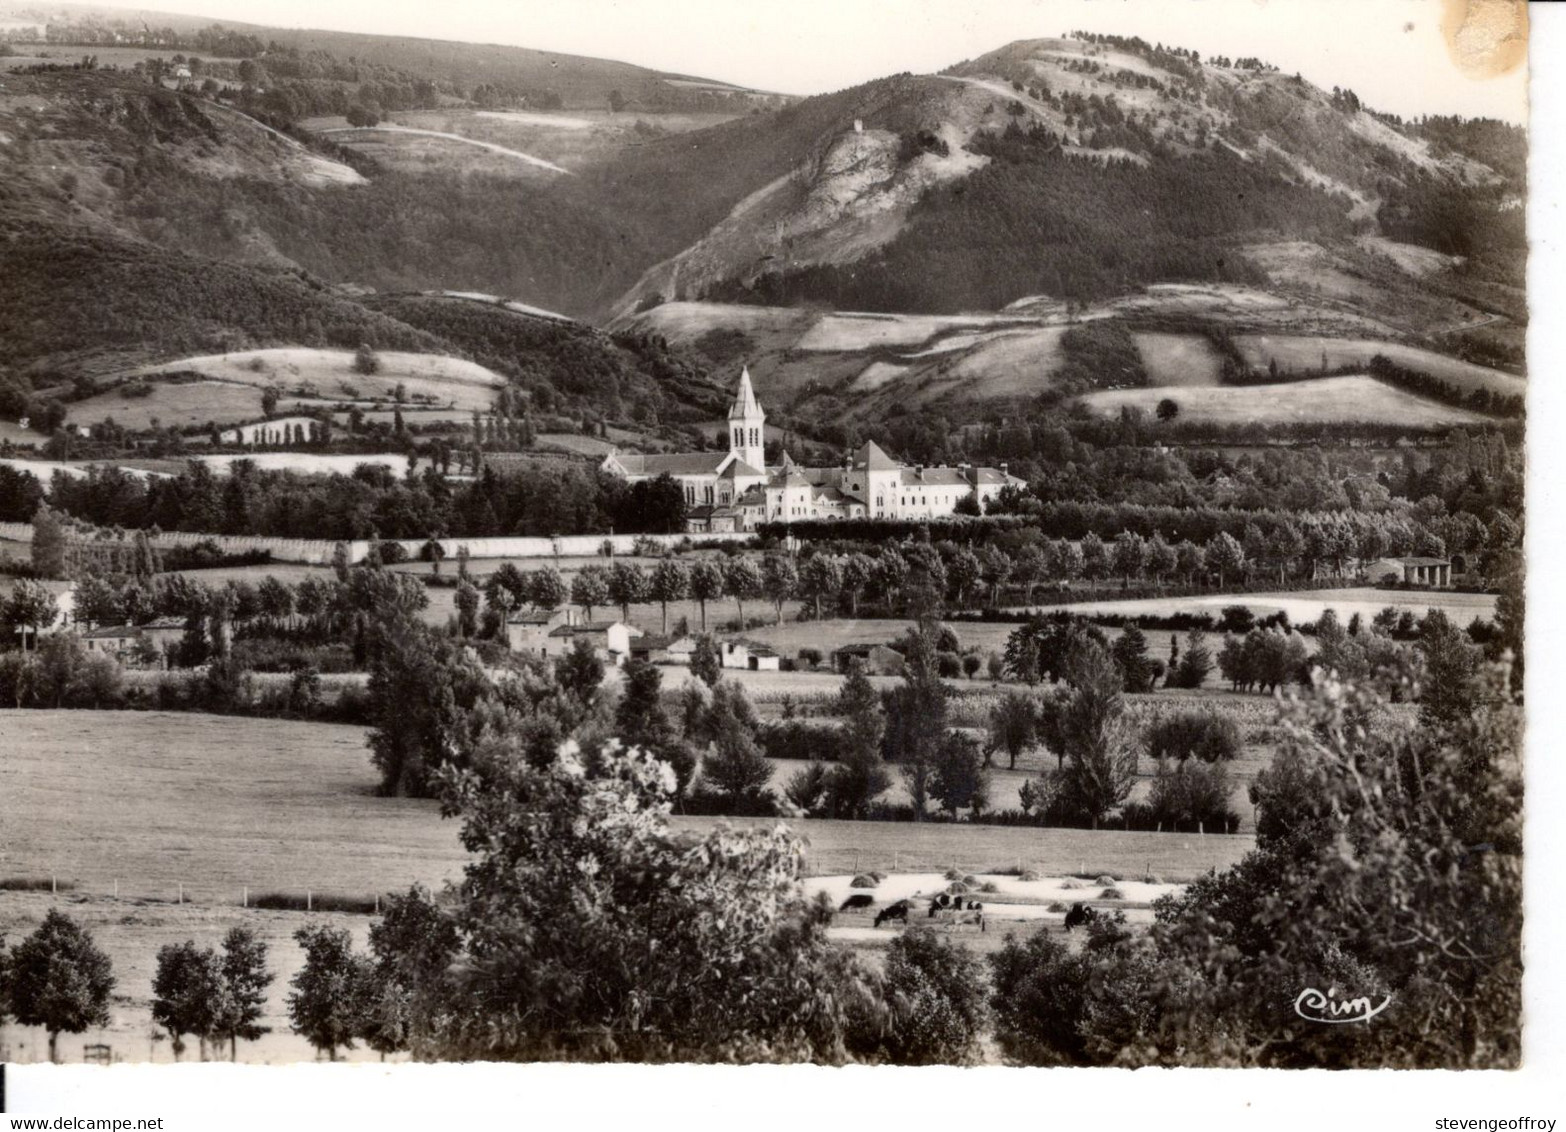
x=1000, y=90
x=528, y=157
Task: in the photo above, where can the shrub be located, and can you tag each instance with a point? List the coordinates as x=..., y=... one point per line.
x=34, y=884
x=1204, y=734
x=1073, y=882
x=1111, y=894
x=989, y=886
x=1107, y=880
x=1028, y=875
x=939, y=993
x=797, y=739
x=1056, y=906
x=952, y=874
x=864, y=880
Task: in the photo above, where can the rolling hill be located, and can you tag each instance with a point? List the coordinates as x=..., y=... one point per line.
x=918, y=241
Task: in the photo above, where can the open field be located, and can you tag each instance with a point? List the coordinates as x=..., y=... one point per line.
x=138, y=812
x=835, y=847
x=1356, y=399
x=130, y=931
x=1304, y=355
x=1178, y=359
x=448, y=382
x=156, y=801
x=1305, y=605
x=571, y=141
x=182, y=405
x=216, y=803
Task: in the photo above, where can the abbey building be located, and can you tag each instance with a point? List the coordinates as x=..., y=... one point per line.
x=736, y=491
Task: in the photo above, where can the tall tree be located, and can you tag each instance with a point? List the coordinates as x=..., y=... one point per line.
x=706, y=585
x=780, y=580
x=51, y=544
x=590, y=589
x=820, y=580
x=860, y=774
x=244, y=981
x=1086, y=724
x=670, y=581
x=187, y=989
x=327, y=1003
x=744, y=581
x=1013, y=725
x=60, y=980
x=916, y=716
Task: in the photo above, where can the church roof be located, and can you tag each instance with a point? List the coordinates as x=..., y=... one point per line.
x=872, y=459
x=675, y=463
x=745, y=405
x=738, y=467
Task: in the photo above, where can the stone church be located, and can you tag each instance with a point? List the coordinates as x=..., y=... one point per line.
x=736, y=491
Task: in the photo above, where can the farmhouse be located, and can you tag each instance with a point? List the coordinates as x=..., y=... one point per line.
x=736, y=491
x=750, y=656
x=878, y=660
x=116, y=640
x=528, y=633
x=611, y=640
x=1435, y=573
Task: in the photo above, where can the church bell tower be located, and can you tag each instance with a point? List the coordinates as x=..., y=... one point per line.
x=747, y=425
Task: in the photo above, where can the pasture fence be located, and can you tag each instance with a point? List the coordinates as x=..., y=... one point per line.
x=322, y=898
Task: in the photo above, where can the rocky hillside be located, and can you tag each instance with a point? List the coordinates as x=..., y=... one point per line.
x=1086, y=168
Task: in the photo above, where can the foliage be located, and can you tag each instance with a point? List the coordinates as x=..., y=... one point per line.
x=938, y=993
x=186, y=992
x=1203, y=734
x=590, y=931
x=60, y=980
x=327, y=1003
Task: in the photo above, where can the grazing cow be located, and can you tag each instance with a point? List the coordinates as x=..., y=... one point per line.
x=1079, y=916
x=856, y=901
x=898, y=911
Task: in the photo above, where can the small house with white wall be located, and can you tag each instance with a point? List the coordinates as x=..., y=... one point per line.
x=528, y=633
x=611, y=640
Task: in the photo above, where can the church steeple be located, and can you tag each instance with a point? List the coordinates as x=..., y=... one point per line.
x=747, y=424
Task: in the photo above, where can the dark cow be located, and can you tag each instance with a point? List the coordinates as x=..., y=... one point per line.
x=855, y=902
x=1080, y=916
x=898, y=911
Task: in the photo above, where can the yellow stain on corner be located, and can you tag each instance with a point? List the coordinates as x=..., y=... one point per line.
x=1486, y=38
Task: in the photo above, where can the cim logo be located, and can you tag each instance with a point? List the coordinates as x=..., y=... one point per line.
x=1314, y=1006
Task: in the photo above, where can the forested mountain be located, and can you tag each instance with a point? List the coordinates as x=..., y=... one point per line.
x=1044, y=177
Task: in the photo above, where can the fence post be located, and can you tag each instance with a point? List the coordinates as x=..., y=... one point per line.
x=377, y=903
x=244, y=896
x=182, y=892
x=309, y=901
x=116, y=888
x=53, y=888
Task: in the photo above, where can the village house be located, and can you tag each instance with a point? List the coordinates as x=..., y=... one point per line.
x=736, y=491
x=611, y=640
x=878, y=660
x=664, y=650
x=750, y=656
x=528, y=633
